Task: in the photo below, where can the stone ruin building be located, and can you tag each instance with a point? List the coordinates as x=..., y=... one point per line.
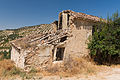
x=65, y=38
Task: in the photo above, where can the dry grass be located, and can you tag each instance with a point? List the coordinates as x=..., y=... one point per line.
x=73, y=67
x=7, y=68
x=5, y=65
x=115, y=66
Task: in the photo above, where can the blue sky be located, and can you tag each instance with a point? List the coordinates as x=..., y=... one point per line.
x=20, y=13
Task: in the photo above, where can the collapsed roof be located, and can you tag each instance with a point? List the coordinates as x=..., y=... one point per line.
x=48, y=36
x=30, y=42
x=23, y=42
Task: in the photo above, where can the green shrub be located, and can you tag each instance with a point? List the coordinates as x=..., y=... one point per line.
x=105, y=44
x=5, y=54
x=33, y=70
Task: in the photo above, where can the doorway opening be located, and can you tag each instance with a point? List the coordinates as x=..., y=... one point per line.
x=59, y=54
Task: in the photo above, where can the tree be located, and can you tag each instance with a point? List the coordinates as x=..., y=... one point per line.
x=105, y=44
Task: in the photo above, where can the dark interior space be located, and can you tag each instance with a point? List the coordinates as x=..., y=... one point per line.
x=63, y=39
x=60, y=24
x=68, y=19
x=93, y=29
x=60, y=54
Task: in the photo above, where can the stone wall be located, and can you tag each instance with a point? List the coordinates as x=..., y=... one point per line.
x=64, y=20
x=17, y=57
x=77, y=44
x=40, y=58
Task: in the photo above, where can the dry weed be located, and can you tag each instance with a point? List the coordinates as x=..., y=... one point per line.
x=71, y=67
x=5, y=65
x=7, y=68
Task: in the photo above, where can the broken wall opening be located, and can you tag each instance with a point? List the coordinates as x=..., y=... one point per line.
x=59, y=55
x=93, y=29
x=60, y=24
x=63, y=39
x=68, y=16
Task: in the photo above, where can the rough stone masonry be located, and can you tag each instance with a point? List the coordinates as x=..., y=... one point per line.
x=65, y=38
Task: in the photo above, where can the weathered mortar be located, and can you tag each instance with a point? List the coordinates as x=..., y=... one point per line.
x=81, y=27
x=18, y=58
x=77, y=44
x=68, y=37
x=41, y=57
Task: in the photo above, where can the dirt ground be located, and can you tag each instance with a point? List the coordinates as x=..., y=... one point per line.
x=111, y=73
